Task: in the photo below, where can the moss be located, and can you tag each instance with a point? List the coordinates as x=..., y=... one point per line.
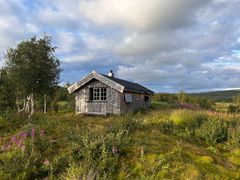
x=190, y=172
x=205, y=160
x=234, y=156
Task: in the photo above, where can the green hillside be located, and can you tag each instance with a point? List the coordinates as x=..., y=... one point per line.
x=218, y=95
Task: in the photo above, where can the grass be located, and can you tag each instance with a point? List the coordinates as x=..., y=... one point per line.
x=161, y=143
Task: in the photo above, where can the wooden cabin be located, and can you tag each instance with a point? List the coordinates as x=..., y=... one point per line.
x=101, y=94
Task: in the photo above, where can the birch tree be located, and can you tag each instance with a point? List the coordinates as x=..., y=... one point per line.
x=7, y=97
x=34, y=70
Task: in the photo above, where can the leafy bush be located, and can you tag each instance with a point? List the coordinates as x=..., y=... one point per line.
x=80, y=171
x=166, y=126
x=234, y=132
x=101, y=151
x=127, y=123
x=22, y=156
x=187, y=119
x=214, y=130
x=233, y=109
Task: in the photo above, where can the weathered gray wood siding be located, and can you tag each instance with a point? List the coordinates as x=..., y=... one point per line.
x=85, y=106
x=138, y=102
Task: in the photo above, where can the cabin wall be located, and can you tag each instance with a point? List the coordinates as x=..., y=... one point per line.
x=86, y=106
x=138, y=102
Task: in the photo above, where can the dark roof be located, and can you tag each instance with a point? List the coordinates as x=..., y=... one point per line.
x=130, y=86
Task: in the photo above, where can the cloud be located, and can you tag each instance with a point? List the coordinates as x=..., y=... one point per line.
x=140, y=14
x=79, y=58
x=12, y=26
x=147, y=43
x=68, y=42
x=96, y=42
x=167, y=45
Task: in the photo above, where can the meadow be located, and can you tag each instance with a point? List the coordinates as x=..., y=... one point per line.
x=165, y=142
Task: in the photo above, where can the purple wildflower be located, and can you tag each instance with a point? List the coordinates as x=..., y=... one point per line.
x=19, y=142
x=33, y=133
x=23, y=135
x=13, y=139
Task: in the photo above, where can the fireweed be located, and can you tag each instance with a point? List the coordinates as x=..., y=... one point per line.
x=18, y=140
x=23, y=152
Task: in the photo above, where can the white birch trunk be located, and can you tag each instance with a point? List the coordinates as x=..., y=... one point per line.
x=32, y=105
x=45, y=104
x=24, y=105
x=27, y=107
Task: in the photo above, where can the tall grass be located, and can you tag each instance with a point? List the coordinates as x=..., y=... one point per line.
x=159, y=144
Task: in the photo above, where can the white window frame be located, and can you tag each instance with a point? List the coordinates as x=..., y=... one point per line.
x=99, y=94
x=128, y=98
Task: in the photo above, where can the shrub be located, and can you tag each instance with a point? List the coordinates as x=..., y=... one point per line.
x=233, y=109
x=80, y=171
x=213, y=131
x=128, y=123
x=234, y=132
x=187, y=119
x=166, y=126
x=102, y=151
x=22, y=156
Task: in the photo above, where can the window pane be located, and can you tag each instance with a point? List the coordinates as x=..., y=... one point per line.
x=103, y=94
x=100, y=94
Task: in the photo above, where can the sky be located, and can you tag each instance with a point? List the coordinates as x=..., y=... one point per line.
x=166, y=45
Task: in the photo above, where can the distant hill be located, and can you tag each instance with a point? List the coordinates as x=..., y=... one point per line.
x=226, y=95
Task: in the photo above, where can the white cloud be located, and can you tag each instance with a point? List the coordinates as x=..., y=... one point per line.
x=167, y=44
x=147, y=43
x=67, y=42
x=79, y=58
x=95, y=42
x=141, y=14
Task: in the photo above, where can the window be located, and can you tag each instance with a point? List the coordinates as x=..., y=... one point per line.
x=99, y=94
x=146, y=98
x=90, y=98
x=103, y=94
x=128, y=98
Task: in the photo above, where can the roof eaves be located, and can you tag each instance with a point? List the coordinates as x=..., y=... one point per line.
x=99, y=77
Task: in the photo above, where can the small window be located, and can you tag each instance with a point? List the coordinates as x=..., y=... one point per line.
x=99, y=94
x=146, y=98
x=128, y=98
x=103, y=94
x=90, y=98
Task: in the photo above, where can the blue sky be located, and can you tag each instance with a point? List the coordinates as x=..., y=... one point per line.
x=167, y=45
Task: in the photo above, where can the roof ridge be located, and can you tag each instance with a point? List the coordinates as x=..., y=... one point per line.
x=130, y=85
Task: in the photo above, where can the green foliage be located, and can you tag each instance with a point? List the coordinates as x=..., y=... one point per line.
x=80, y=171
x=186, y=119
x=159, y=144
x=213, y=131
x=101, y=151
x=7, y=96
x=32, y=66
x=184, y=100
x=182, y=97
x=236, y=100
x=33, y=70
x=233, y=108
x=164, y=97
x=218, y=96
x=23, y=155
